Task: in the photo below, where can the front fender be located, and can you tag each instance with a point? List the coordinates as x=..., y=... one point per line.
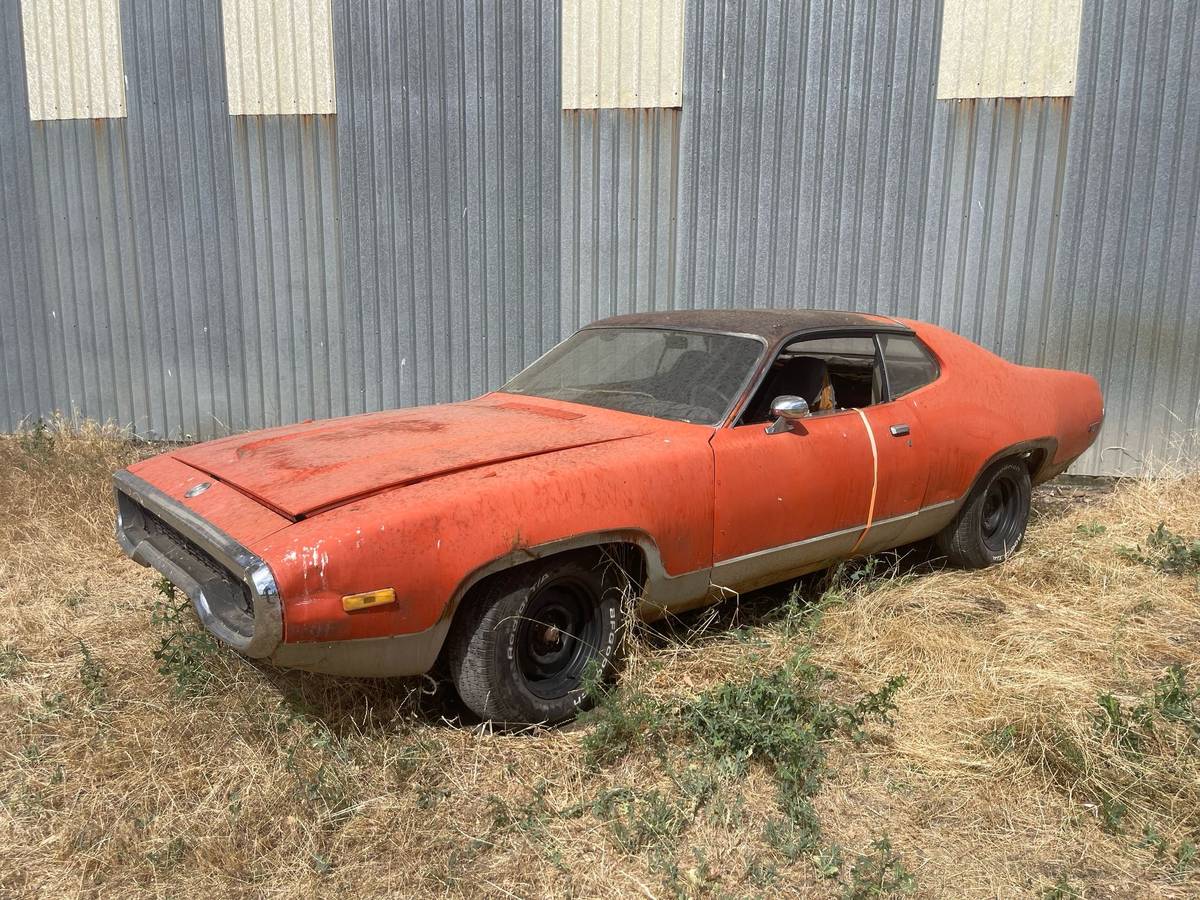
x=432, y=541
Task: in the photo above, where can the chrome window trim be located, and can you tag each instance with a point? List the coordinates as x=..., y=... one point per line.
x=868, y=329
x=253, y=572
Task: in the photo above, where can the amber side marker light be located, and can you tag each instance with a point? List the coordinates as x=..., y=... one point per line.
x=351, y=602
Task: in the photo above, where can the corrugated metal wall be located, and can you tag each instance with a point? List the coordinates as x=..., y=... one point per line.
x=1126, y=292
x=189, y=272
x=448, y=150
x=816, y=168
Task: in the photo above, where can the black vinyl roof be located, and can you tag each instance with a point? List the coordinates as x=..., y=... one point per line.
x=769, y=324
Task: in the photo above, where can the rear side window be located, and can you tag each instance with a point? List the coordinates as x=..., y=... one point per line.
x=909, y=365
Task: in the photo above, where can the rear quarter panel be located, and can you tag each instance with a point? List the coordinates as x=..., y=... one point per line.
x=427, y=539
x=982, y=405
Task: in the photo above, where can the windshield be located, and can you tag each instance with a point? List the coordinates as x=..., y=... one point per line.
x=687, y=376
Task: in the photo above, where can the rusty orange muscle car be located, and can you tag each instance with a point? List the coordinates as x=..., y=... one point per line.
x=674, y=457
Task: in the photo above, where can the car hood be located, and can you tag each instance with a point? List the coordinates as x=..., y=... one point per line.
x=303, y=469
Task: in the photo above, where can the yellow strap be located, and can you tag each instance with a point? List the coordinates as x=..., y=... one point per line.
x=874, y=480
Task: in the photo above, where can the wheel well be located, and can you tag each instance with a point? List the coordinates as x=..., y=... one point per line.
x=1033, y=455
x=626, y=557
x=1034, y=462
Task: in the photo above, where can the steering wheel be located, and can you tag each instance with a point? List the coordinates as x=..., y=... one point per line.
x=707, y=397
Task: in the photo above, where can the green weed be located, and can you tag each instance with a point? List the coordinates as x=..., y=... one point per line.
x=1185, y=856
x=1168, y=552
x=92, y=676
x=170, y=855
x=37, y=441
x=76, y=596
x=11, y=662
x=185, y=652
x=1153, y=840
x=1061, y=890
x=641, y=819
x=1171, y=700
x=879, y=873
x=530, y=816
x=320, y=864
x=621, y=720
x=781, y=720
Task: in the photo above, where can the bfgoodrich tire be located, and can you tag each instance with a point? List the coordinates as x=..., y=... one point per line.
x=522, y=650
x=991, y=525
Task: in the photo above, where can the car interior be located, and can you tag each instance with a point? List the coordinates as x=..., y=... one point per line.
x=831, y=374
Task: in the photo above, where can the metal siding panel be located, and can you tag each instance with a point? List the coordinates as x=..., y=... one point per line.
x=180, y=260
x=1019, y=48
x=964, y=213
x=1125, y=274
x=622, y=53
x=448, y=153
x=279, y=57
x=24, y=345
x=73, y=61
x=189, y=273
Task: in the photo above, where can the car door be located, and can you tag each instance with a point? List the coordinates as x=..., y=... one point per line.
x=785, y=503
x=906, y=447
x=902, y=471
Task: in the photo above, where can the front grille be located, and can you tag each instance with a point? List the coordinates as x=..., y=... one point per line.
x=201, y=566
x=220, y=590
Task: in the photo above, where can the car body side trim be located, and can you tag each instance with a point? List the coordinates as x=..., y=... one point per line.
x=774, y=564
x=783, y=548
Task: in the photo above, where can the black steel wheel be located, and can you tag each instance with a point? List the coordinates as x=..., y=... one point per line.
x=525, y=644
x=557, y=636
x=991, y=525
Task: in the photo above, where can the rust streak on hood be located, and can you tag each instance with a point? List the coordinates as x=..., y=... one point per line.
x=300, y=470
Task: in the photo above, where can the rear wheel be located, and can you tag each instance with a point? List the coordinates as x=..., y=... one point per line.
x=523, y=650
x=991, y=525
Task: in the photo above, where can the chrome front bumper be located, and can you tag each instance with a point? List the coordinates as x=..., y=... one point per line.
x=233, y=590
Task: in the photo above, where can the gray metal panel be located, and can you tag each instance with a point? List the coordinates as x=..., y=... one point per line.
x=1127, y=273
x=24, y=346
x=817, y=169
x=448, y=163
x=189, y=273
x=619, y=180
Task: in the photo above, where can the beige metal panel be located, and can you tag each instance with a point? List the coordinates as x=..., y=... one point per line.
x=622, y=53
x=278, y=57
x=73, y=63
x=1009, y=48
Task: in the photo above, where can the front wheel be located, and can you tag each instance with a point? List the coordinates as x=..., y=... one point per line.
x=991, y=525
x=523, y=650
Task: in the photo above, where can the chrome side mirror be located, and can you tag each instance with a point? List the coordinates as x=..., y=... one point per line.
x=787, y=410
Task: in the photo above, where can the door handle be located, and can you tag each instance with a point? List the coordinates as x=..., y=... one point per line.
x=899, y=430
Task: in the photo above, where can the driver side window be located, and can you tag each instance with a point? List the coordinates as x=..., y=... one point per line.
x=831, y=373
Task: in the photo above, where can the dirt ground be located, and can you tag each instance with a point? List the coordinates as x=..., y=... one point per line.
x=1031, y=730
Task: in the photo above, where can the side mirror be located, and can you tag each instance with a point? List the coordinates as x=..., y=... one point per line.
x=787, y=410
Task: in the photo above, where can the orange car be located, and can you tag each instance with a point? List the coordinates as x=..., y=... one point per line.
x=674, y=457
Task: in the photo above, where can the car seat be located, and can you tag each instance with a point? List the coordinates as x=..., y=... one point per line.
x=800, y=376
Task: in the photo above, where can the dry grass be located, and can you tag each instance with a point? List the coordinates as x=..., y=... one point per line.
x=220, y=778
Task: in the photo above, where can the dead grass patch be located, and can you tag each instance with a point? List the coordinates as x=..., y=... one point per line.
x=1043, y=738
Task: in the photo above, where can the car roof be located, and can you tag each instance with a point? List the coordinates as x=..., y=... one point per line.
x=771, y=325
